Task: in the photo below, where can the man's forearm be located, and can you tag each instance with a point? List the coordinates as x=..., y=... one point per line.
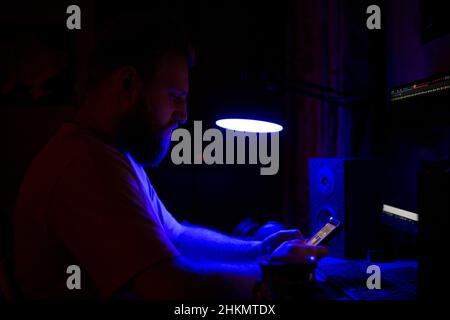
x=204, y=244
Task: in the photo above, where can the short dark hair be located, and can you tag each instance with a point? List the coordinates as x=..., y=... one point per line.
x=138, y=40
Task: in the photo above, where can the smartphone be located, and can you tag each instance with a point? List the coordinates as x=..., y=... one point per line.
x=326, y=233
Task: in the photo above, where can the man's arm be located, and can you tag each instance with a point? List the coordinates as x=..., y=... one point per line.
x=181, y=278
x=199, y=243
x=205, y=244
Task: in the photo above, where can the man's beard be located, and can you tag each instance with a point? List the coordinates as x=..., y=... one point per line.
x=146, y=143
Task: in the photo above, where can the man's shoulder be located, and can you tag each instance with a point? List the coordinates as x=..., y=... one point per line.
x=74, y=144
x=73, y=152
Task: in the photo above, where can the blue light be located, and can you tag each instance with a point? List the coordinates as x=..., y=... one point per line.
x=249, y=125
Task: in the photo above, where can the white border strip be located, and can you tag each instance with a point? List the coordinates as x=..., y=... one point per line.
x=400, y=212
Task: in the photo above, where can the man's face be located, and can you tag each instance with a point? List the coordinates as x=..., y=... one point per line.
x=147, y=129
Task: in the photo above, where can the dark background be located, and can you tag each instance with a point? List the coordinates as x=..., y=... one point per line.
x=279, y=51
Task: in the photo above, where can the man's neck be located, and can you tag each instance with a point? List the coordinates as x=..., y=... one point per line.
x=92, y=120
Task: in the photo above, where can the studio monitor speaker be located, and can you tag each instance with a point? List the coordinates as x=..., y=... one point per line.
x=348, y=190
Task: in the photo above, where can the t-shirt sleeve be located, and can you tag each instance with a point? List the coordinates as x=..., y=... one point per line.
x=172, y=227
x=99, y=214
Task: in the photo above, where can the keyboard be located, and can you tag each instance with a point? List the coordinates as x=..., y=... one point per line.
x=398, y=282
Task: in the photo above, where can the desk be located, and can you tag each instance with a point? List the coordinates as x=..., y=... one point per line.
x=396, y=283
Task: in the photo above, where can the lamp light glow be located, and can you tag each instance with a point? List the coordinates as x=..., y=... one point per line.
x=249, y=125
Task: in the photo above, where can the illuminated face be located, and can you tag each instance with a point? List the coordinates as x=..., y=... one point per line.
x=161, y=108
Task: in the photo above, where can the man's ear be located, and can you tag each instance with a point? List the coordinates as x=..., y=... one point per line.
x=129, y=86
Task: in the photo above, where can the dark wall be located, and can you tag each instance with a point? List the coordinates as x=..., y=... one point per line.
x=410, y=56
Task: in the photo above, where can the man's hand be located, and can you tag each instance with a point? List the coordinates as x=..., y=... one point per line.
x=273, y=241
x=296, y=251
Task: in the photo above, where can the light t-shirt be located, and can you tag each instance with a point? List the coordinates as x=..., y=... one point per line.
x=85, y=203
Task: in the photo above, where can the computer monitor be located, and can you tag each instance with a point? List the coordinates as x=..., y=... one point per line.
x=417, y=133
x=400, y=165
x=399, y=215
x=401, y=219
x=420, y=136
